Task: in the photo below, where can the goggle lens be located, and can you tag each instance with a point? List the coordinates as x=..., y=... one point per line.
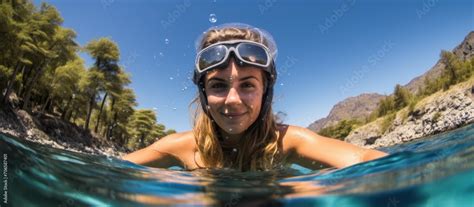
x=249, y=53
x=253, y=53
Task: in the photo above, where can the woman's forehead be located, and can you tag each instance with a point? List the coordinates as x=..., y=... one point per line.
x=240, y=72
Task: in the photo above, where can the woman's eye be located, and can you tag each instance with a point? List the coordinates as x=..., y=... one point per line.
x=248, y=85
x=218, y=85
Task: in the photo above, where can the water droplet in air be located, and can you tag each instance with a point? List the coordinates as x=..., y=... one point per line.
x=161, y=54
x=230, y=129
x=174, y=108
x=212, y=18
x=281, y=84
x=167, y=41
x=234, y=150
x=171, y=78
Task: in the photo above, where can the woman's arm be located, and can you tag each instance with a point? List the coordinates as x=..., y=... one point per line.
x=159, y=154
x=309, y=148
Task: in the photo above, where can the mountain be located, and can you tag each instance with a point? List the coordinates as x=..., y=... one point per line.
x=357, y=107
x=361, y=106
x=465, y=50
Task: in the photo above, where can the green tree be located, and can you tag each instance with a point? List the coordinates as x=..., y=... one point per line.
x=401, y=97
x=341, y=129
x=106, y=55
x=140, y=127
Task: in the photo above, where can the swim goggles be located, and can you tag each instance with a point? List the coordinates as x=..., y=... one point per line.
x=249, y=52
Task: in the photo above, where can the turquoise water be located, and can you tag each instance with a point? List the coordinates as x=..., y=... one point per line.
x=434, y=171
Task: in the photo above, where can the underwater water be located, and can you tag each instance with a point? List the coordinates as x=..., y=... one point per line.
x=434, y=171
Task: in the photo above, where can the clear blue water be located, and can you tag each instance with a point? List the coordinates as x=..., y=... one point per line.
x=434, y=171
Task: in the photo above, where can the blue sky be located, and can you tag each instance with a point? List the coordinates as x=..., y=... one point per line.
x=327, y=50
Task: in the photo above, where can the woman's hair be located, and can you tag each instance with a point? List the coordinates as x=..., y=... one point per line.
x=259, y=146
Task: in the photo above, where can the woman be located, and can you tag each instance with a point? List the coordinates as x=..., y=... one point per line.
x=234, y=126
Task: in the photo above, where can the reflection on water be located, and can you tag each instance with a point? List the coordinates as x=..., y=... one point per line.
x=436, y=171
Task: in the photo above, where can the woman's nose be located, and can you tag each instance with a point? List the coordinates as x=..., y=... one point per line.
x=233, y=97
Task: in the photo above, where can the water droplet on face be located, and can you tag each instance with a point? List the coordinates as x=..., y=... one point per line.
x=212, y=18
x=208, y=107
x=240, y=124
x=167, y=41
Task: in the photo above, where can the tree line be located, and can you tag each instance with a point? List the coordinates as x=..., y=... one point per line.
x=455, y=70
x=40, y=68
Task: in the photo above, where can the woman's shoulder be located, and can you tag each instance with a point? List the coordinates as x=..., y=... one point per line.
x=291, y=135
x=176, y=142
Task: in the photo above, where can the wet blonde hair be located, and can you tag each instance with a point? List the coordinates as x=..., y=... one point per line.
x=259, y=146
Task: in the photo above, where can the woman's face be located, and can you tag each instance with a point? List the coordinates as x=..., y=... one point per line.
x=234, y=95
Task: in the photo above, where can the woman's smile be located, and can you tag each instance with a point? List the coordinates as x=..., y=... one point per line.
x=234, y=116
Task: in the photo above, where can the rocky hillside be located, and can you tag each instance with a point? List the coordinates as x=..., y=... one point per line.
x=360, y=106
x=357, y=107
x=442, y=111
x=465, y=50
x=54, y=132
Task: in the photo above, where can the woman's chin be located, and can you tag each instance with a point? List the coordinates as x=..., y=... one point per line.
x=234, y=130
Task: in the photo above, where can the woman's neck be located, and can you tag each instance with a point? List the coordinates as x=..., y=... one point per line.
x=230, y=140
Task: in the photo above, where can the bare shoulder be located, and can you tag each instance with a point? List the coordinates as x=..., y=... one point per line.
x=176, y=143
x=293, y=135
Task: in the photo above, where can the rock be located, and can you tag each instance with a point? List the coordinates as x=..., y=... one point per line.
x=449, y=110
x=53, y=132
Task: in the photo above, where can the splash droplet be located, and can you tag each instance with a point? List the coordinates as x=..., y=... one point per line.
x=212, y=18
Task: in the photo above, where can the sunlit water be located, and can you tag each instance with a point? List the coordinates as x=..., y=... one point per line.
x=435, y=171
